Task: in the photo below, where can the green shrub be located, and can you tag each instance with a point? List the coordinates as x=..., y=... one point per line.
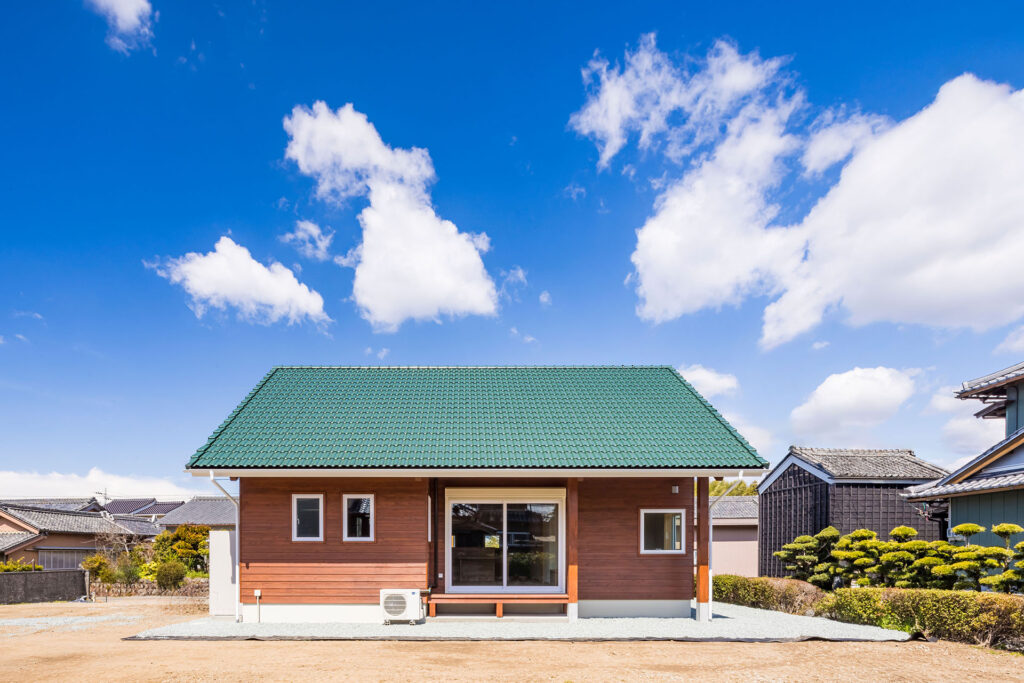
x=189, y=544
x=170, y=574
x=18, y=565
x=781, y=595
x=988, y=619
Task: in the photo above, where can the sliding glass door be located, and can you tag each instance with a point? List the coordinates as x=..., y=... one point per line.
x=505, y=540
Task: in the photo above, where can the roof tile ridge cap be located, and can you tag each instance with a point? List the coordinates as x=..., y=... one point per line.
x=230, y=418
x=714, y=411
x=52, y=511
x=597, y=366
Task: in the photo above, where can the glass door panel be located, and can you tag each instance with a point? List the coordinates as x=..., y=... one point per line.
x=532, y=544
x=477, y=540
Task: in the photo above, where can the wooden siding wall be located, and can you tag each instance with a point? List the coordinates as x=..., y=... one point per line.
x=331, y=571
x=796, y=503
x=878, y=508
x=988, y=509
x=611, y=566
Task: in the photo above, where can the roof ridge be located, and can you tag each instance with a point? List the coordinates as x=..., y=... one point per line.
x=56, y=511
x=470, y=367
x=714, y=411
x=861, y=451
x=234, y=413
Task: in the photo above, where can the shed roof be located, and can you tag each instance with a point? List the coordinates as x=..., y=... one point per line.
x=735, y=507
x=475, y=417
x=205, y=510
x=861, y=463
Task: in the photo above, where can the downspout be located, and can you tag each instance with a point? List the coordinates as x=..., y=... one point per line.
x=238, y=555
x=711, y=540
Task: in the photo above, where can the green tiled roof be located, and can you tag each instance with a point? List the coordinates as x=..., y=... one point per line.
x=475, y=417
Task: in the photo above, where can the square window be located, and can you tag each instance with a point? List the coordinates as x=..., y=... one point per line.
x=663, y=531
x=307, y=517
x=358, y=516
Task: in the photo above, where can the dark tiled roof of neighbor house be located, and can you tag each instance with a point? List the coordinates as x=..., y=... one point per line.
x=735, y=507
x=60, y=521
x=126, y=506
x=161, y=507
x=205, y=510
x=860, y=463
x=69, y=504
x=475, y=417
x=12, y=539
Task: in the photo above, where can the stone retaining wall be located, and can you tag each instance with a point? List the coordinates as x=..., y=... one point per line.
x=192, y=588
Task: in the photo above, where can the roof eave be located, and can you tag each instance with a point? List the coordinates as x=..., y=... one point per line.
x=476, y=472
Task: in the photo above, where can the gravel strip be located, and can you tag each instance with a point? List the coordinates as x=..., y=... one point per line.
x=730, y=623
x=11, y=627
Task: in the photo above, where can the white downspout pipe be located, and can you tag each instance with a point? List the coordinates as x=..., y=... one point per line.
x=711, y=541
x=238, y=555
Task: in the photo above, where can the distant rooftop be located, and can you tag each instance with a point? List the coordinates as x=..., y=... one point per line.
x=735, y=507
x=62, y=521
x=204, y=510
x=872, y=464
x=126, y=506
x=67, y=504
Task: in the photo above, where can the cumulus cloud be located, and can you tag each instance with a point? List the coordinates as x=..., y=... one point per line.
x=1013, y=343
x=545, y=298
x=30, y=484
x=921, y=207
x=710, y=382
x=847, y=404
x=310, y=240
x=411, y=264
x=129, y=22
x=963, y=434
x=819, y=345
x=229, y=277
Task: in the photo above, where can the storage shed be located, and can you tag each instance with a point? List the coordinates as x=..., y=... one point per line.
x=847, y=488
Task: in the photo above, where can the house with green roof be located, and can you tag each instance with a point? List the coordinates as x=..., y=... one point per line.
x=581, y=491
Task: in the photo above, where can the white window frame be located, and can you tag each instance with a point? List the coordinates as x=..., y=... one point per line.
x=682, y=531
x=344, y=518
x=295, y=518
x=504, y=496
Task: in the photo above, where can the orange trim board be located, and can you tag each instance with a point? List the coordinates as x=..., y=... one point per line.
x=1008, y=446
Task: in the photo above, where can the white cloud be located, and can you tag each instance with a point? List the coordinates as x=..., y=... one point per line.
x=847, y=404
x=511, y=281
x=30, y=484
x=963, y=434
x=411, y=263
x=710, y=382
x=2, y=341
x=574, y=191
x=28, y=314
x=545, y=298
x=310, y=240
x=383, y=353
x=760, y=438
x=1013, y=343
x=819, y=345
x=920, y=209
x=836, y=137
x=229, y=276
x=21, y=338
x=129, y=22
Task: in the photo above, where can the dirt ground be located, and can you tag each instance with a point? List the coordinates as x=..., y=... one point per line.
x=88, y=646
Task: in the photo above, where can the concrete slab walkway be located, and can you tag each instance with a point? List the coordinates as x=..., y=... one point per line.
x=729, y=623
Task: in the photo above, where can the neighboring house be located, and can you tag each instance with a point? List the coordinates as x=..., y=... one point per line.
x=734, y=536
x=846, y=488
x=216, y=512
x=67, y=504
x=60, y=539
x=515, y=489
x=989, y=489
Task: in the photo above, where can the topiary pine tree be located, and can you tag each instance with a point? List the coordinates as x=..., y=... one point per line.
x=967, y=530
x=1006, y=531
x=800, y=557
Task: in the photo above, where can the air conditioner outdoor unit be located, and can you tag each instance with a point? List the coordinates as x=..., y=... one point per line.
x=401, y=605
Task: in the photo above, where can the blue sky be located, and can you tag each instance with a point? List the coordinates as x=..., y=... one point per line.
x=828, y=212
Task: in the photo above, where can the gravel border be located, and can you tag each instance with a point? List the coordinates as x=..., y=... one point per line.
x=731, y=623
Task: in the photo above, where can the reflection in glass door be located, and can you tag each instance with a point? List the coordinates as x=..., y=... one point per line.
x=532, y=544
x=477, y=544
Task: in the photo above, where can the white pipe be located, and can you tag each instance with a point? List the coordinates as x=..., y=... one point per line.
x=711, y=542
x=238, y=555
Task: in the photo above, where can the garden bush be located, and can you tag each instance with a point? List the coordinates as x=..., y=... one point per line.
x=189, y=544
x=170, y=574
x=782, y=595
x=18, y=565
x=988, y=619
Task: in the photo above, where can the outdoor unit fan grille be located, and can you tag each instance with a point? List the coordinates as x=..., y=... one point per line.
x=394, y=605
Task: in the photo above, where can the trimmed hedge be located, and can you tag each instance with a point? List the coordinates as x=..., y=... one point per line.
x=988, y=619
x=781, y=595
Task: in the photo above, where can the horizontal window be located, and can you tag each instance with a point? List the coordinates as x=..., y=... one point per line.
x=358, y=516
x=662, y=531
x=307, y=517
